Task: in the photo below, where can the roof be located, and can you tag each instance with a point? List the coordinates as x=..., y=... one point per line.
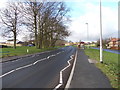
x=12, y=40
x=82, y=42
x=114, y=39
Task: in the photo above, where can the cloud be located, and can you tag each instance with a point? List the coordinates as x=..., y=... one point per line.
x=3, y=3
x=92, y=17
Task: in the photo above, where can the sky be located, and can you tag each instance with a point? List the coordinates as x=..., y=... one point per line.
x=88, y=11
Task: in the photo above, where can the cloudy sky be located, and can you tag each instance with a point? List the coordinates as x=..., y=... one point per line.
x=88, y=11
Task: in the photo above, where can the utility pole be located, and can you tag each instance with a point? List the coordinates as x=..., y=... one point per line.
x=101, y=49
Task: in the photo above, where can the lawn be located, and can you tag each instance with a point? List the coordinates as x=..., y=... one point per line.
x=6, y=52
x=109, y=66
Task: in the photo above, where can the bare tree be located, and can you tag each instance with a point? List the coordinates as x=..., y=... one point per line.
x=31, y=17
x=45, y=20
x=11, y=20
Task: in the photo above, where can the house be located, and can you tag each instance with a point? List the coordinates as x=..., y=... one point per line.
x=60, y=42
x=114, y=43
x=11, y=41
x=69, y=43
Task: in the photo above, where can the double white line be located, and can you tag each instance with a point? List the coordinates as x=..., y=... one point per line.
x=71, y=74
x=29, y=64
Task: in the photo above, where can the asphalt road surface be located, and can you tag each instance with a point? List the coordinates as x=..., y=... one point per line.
x=37, y=71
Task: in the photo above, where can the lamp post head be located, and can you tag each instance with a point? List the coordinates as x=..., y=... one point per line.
x=86, y=23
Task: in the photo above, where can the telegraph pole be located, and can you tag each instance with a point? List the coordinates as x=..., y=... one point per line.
x=101, y=49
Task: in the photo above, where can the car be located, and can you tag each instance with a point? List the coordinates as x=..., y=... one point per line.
x=30, y=45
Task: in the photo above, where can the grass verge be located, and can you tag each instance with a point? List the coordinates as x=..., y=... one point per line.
x=110, y=65
x=7, y=52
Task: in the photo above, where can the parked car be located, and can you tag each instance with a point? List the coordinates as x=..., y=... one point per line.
x=30, y=45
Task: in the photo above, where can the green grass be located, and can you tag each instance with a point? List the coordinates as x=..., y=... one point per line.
x=6, y=52
x=109, y=66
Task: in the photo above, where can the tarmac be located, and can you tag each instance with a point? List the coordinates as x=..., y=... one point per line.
x=87, y=75
x=11, y=58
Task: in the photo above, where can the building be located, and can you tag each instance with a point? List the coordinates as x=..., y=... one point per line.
x=69, y=43
x=60, y=43
x=114, y=43
x=11, y=43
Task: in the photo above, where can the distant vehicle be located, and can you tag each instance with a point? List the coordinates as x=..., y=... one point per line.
x=30, y=45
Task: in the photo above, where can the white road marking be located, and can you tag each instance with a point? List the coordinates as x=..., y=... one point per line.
x=27, y=65
x=58, y=86
x=13, y=60
x=53, y=55
x=48, y=57
x=61, y=77
x=7, y=73
x=71, y=74
x=24, y=67
x=27, y=56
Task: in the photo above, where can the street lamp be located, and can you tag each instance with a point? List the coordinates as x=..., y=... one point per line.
x=87, y=31
x=101, y=57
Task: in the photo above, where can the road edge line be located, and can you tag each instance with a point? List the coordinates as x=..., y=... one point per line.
x=61, y=73
x=71, y=74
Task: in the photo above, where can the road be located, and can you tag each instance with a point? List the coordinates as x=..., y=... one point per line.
x=37, y=71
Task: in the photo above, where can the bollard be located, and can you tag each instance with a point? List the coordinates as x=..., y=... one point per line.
x=27, y=50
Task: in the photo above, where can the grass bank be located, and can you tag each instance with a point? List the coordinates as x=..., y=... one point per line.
x=6, y=52
x=109, y=67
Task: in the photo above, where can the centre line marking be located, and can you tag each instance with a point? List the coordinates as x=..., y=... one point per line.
x=27, y=65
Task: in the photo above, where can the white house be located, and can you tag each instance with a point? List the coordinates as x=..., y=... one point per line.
x=11, y=41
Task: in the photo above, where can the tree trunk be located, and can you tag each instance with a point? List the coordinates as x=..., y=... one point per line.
x=14, y=40
x=35, y=28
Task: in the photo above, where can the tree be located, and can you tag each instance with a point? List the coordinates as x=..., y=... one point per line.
x=104, y=43
x=45, y=20
x=11, y=20
x=31, y=17
x=53, y=27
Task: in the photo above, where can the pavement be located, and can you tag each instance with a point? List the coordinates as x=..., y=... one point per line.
x=36, y=71
x=87, y=75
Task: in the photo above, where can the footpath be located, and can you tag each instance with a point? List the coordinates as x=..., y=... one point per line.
x=87, y=75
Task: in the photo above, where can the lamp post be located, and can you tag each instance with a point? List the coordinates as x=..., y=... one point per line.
x=101, y=57
x=87, y=31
